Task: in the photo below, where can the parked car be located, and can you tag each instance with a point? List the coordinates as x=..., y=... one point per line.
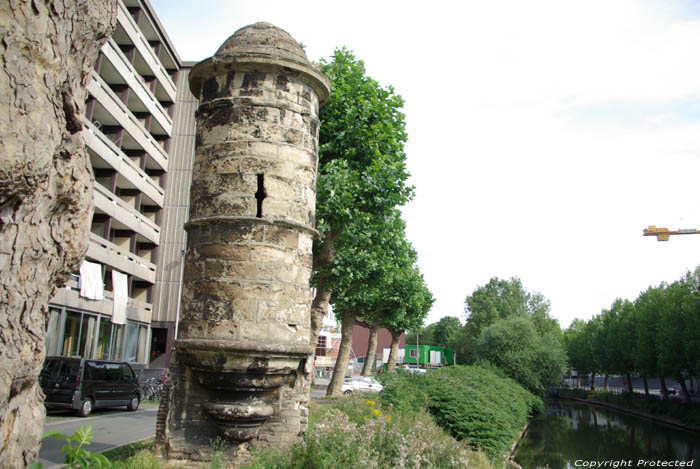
x=413, y=369
x=360, y=383
x=84, y=385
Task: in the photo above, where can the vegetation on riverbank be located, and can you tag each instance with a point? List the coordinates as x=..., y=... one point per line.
x=684, y=414
x=473, y=404
x=454, y=417
x=352, y=432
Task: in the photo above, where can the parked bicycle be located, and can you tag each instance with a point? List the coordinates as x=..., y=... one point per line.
x=151, y=389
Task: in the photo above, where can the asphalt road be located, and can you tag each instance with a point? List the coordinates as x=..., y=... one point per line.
x=111, y=428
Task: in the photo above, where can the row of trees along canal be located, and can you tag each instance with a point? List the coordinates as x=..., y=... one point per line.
x=657, y=334
x=363, y=264
x=508, y=330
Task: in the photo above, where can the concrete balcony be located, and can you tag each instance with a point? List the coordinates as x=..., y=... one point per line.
x=129, y=76
x=129, y=176
x=102, y=251
x=69, y=296
x=125, y=217
x=144, y=48
x=115, y=109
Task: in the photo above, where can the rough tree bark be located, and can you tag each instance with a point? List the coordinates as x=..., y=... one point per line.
x=341, y=363
x=47, y=50
x=371, y=350
x=324, y=289
x=394, y=352
x=664, y=388
x=630, y=389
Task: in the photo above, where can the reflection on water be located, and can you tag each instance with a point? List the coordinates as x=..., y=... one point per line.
x=575, y=434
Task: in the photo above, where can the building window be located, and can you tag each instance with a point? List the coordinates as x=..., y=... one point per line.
x=135, y=349
x=412, y=353
x=52, y=332
x=321, y=346
x=78, y=334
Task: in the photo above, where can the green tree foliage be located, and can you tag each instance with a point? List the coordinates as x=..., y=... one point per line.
x=438, y=333
x=445, y=328
x=372, y=260
x=501, y=299
x=646, y=323
x=362, y=164
x=514, y=345
x=656, y=335
x=580, y=348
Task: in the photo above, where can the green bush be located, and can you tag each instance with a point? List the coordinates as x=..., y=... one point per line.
x=469, y=402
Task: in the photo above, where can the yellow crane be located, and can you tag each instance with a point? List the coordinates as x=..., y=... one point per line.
x=663, y=234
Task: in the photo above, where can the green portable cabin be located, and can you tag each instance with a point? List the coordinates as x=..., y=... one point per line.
x=428, y=355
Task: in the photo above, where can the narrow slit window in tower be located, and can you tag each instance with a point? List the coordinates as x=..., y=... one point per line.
x=261, y=194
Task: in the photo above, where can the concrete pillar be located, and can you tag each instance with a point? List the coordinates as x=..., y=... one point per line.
x=243, y=359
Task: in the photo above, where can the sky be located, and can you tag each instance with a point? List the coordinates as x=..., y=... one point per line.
x=544, y=136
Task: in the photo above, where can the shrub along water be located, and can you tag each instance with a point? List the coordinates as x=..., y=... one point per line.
x=471, y=403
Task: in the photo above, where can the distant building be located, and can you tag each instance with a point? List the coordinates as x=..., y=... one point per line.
x=139, y=132
x=428, y=355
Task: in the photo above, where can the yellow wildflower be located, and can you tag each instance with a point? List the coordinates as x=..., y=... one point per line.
x=370, y=403
x=376, y=412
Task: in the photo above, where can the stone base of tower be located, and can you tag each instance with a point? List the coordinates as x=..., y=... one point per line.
x=233, y=397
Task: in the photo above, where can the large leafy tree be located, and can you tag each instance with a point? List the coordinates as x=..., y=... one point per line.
x=514, y=345
x=411, y=301
x=646, y=320
x=677, y=308
x=616, y=340
x=445, y=328
x=438, y=333
x=501, y=299
x=369, y=254
x=362, y=168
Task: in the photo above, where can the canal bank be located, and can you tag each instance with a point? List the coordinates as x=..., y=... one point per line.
x=582, y=434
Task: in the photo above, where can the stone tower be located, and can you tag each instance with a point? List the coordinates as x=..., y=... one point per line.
x=242, y=361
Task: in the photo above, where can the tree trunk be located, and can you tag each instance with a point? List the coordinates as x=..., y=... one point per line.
x=341, y=363
x=47, y=52
x=607, y=387
x=646, y=386
x=593, y=381
x=684, y=390
x=370, y=357
x=578, y=380
x=630, y=389
x=664, y=389
x=319, y=305
x=393, y=354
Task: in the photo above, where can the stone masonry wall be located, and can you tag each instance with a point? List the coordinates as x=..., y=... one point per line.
x=242, y=363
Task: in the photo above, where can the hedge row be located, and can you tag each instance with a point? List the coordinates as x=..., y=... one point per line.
x=470, y=402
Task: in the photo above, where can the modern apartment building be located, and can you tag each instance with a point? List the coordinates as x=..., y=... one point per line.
x=139, y=132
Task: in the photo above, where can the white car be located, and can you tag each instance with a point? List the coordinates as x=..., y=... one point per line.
x=413, y=369
x=360, y=383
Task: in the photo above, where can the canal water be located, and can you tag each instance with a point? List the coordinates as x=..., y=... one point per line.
x=572, y=434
